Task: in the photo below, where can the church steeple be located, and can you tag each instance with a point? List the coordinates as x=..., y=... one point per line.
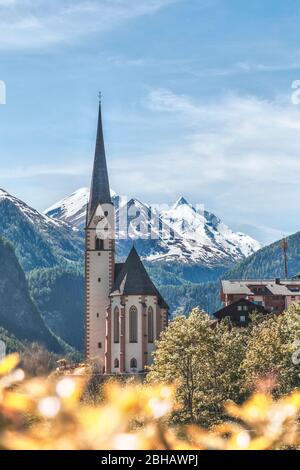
x=100, y=190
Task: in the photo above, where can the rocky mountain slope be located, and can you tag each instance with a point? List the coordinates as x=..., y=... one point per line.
x=39, y=241
x=181, y=234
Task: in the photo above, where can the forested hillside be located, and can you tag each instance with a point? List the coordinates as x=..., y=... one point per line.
x=268, y=262
x=59, y=295
x=182, y=299
x=12, y=344
x=38, y=241
x=18, y=313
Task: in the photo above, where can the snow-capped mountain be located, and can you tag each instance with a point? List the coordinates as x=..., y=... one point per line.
x=205, y=229
x=72, y=209
x=39, y=240
x=181, y=234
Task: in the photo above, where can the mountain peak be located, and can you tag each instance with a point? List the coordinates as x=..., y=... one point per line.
x=181, y=202
x=199, y=237
x=135, y=202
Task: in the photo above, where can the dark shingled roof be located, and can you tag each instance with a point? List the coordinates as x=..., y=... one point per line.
x=133, y=279
x=100, y=191
x=232, y=309
x=118, y=269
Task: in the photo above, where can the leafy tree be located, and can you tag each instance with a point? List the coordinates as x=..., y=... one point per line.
x=216, y=363
x=37, y=361
x=271, y=344
x=205, y=361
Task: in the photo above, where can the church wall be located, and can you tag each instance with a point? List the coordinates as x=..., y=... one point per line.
x=151, y=302
x=98, y=267
x=115, y=347
x=134, y=350
x=99, y=277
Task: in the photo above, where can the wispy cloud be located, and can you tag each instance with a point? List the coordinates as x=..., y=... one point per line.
x=245, y=68
x=237, y=137
x=237, y=153
x=37, y=23
x=34, y=171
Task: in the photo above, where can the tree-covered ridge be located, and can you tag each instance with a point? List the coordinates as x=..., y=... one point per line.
x=187, y=287
x=59, y=295
x=12, y=344
x=267, y=263
x=18, y=313
x=182, y=299
x=37, y=240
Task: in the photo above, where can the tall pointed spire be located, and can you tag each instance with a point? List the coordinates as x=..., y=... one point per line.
x=100, y=191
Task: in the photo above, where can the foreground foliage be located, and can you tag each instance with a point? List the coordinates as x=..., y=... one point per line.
x=49, y=414
x=215, y=363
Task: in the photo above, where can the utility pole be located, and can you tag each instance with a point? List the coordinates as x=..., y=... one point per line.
x=284, y=246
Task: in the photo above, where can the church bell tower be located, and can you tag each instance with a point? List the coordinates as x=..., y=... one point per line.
x=99, y=254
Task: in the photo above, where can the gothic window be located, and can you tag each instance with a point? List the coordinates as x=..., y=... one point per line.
x=116, y=325
x=99, y=244
x=133, y=325
x=117, y=364
x=150, y=325
x=133, y=364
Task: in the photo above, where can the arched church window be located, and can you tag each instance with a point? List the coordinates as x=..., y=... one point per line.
x=150, y=325
x=116, y=325
x=133, y=364
x=117, y=364
x=99, y=244
x=133, y=325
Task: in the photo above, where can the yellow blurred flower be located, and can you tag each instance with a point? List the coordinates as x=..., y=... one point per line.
x=50, y=414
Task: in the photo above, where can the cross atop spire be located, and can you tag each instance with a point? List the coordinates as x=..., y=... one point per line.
x=100, y=190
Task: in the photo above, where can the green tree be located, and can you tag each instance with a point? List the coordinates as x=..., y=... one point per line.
x=214, y=363
x=272, y=341
x=204, y=359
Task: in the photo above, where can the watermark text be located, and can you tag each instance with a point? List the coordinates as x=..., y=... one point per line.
x=2, y=92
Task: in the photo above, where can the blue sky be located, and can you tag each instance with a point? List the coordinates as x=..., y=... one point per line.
x=197, y=102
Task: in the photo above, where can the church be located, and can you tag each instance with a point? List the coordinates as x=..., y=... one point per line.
x=124, y=312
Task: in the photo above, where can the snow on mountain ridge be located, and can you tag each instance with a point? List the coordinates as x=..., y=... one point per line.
x=72, y=209
x=32, y=214
x=184, y=233
x=182, y=202
x=206, y=229
x=39, y=240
